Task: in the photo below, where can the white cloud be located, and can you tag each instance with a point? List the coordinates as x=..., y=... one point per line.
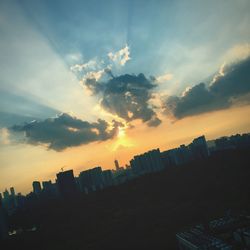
x=80, y=67
x=94, y=75
x=98, y=66
x=121, y=56
x=187, y=89
x=220, y=73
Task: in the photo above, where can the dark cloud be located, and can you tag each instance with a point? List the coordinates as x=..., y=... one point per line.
x=227, y=88
x=235, y=82
x=154, y=122
x=66, y=131
x=126, y=96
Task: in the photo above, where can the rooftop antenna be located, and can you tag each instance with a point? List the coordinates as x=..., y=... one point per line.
x=62, y=168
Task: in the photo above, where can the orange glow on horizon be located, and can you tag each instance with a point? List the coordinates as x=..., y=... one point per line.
x=29, y=162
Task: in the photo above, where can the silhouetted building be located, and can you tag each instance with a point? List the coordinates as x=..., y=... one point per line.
x=13, y=198
x=47, y=186
x=6, y=195
x=20, y=200
x=194, y=151
x=150, y=161
x=169, y=157
x=222, y=143
x=232, y=142
x=7, y=201
x=123, y=175
x=3, y=221
x=12, y=192
x=199, y=148
x=107, y=178
x=176, y=156
x=184, y=154
x=78, y=186
x=37, y=189
x=127, y=166
x=91, y=180
x=49, y=189
x=66, y=183
x=117, y=167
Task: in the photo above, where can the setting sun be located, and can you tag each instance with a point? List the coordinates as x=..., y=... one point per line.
x=121, y=132
x=146, y=106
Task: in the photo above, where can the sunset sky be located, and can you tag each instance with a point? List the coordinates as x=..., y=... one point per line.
x=85, y=82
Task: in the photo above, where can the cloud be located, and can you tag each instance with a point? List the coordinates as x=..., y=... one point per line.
x=94, y=75
x=230, y=84
x=154, y=121
x=121, y=56
x=126, y=96
x=237, y=53
x=235, y=80
x=219, y=74
x=164, y=78
x=80, y=67
x=4, y=136
x=66, y=131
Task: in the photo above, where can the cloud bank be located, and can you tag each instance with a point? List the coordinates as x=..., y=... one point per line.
x=126, y=96
x=229, y=85
x=66, y=131
x=129, y=97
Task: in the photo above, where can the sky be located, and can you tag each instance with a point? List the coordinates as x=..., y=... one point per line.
x=85, y=82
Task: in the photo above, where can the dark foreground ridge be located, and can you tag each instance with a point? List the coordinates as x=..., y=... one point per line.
x=144, y=213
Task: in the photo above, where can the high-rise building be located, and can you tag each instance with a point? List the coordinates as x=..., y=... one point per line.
x=6, y=195
x=176, y=156
x=66, y=183
x=3, y=222
x=107, y=178
x=37, y=187
x=232, y=142
x=222, y=143
x=6, y=200
x=199, y=148
x=150, y=161
x=117, y=167
x=20, y=200
x=47, y=186
x=170, y=157
x=91, y=179
x=13, y=202
x=12, y=192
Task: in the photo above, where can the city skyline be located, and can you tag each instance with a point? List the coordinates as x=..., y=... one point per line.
x=66, y=184
x=88, y=82
x=159, y=161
